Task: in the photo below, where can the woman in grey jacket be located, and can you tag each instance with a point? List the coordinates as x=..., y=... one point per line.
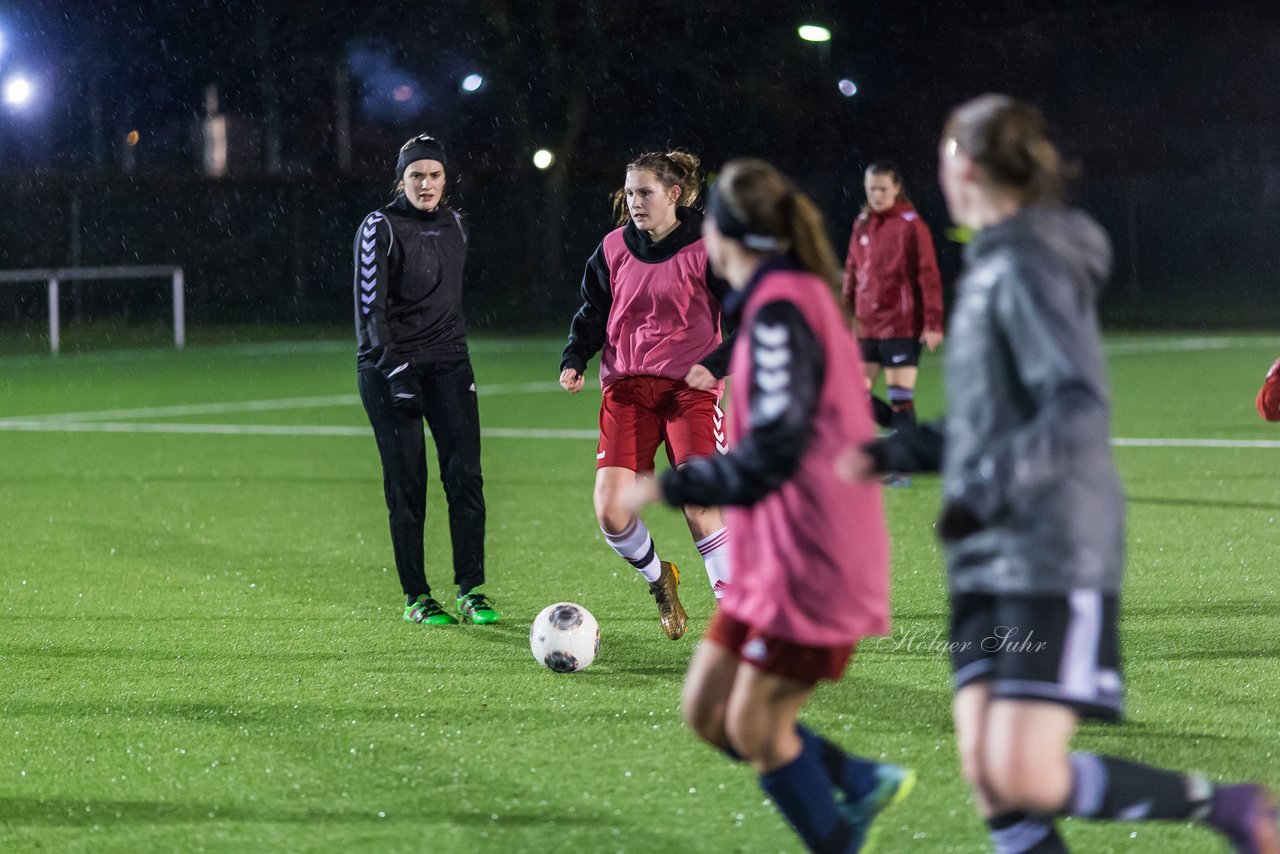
x=1032, y=523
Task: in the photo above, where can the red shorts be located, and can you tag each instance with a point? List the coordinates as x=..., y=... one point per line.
x=795, y=661
x=638, y=414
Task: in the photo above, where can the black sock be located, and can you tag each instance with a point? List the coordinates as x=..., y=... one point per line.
x=1024, y=833
x=903, y=403
x=1104, y=787
x=881, y=411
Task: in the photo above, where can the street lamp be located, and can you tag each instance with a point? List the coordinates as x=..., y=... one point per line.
x=472, y=83
x=848, y=88
x=17, y=91
x=814, y=33
x=543, y=158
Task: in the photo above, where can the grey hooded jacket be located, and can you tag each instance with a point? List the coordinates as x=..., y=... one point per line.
x=1027, y=447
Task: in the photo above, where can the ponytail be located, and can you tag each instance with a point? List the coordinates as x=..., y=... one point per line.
x=756, y=205
x=809, y=241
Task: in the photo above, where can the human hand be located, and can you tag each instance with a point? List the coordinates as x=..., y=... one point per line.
x=855, y=464
x=957, y=522
x=642, y=493
x=406, y=391
x=571, y=381
x=700, y=378
x=932, y=339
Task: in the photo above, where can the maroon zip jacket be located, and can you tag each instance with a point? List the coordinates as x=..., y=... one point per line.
x=891, y=274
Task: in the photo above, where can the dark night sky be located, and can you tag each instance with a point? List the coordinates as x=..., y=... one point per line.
x=1134, y=84
x=1168, y=108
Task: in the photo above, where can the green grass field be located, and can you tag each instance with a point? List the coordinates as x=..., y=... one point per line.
x=202, y=646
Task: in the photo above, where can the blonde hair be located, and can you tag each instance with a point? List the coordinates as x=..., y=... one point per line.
x=671, y=168
x=768, y=204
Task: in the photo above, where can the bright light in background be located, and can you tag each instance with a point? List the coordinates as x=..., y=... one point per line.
x=814, y=33
x=472, y=83
x=18, y=91
x=848, y=88
x=543, y=158
x=402, y=93
x=131, y=138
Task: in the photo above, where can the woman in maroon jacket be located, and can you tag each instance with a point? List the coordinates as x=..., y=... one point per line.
x=892, y=285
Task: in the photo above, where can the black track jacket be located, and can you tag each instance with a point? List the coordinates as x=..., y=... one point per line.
x=408, y=286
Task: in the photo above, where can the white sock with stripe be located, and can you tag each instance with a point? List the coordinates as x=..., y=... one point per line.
x=714, y=549
x=635, y=546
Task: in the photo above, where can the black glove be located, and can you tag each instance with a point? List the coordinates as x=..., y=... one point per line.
x=406, y=391
x=957, y=522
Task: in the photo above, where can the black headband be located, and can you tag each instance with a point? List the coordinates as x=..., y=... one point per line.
x=421, y=147
x=728, y=224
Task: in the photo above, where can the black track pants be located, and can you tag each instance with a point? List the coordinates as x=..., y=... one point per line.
x=449, y=404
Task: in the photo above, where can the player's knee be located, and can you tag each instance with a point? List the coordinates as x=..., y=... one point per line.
x=612, y=517
x=749, y=737
x=460, y=473
x=705, y=717
x=1017, y=779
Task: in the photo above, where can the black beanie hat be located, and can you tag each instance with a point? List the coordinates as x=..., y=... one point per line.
x=421, y=147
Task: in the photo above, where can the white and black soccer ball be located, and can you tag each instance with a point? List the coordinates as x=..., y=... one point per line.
x=565, y=637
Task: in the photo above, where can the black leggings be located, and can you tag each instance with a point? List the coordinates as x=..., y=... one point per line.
x=449, y=403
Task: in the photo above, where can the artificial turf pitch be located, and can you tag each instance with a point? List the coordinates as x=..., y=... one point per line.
x=202, y=644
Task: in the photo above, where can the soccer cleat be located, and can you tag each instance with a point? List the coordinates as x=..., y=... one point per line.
x=896, y=480
x=475, y=608
x=670, y=611
x=424, y=609
x=893, y=784
x=1246, y=815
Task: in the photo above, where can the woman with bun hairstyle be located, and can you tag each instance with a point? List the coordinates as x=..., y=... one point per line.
x=651, y=309
x=810, y=558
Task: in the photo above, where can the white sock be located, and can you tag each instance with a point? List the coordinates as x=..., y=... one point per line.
x=714, y=549
x=635, y=546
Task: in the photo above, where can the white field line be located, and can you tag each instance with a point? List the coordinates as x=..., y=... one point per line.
x=16, y=426
x=323, y=402
x=49, y=426
x=1196, y=443
x=1173, y=345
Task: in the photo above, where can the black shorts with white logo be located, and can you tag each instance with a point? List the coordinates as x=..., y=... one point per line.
x=891, y=352
x=1062, y=648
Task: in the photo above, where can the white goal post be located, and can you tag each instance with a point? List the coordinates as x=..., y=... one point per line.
x=97, y=274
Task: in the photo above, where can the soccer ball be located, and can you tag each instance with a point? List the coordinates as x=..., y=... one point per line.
x=565, y=637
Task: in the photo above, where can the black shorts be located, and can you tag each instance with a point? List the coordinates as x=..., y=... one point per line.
x=1064, y=648
x=891, y=352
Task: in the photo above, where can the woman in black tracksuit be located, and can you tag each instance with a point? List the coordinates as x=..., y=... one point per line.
x=413, y=363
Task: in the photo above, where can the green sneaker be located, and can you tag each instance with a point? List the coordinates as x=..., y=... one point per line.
x=893, y=784
x=475, y=608
x=427, y=610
